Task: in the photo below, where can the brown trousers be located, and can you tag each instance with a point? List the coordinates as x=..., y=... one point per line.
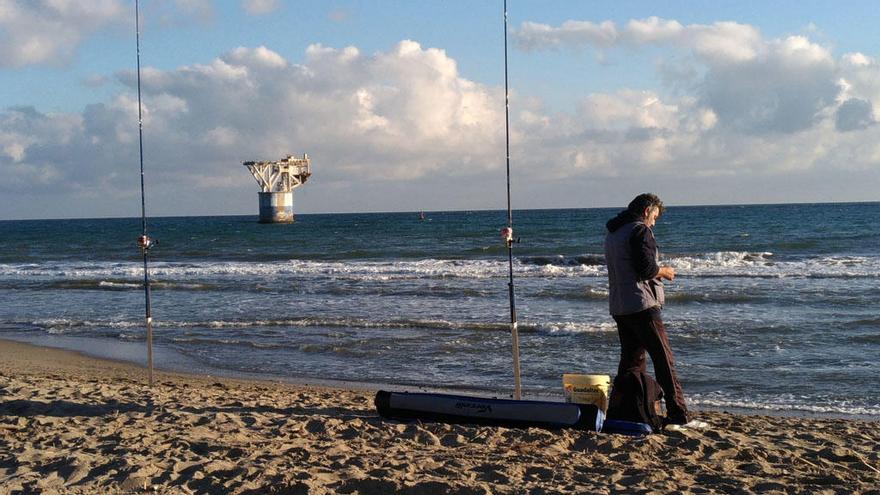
x=644, y=331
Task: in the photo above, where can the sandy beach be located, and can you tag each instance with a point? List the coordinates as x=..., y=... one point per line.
x=74, y=424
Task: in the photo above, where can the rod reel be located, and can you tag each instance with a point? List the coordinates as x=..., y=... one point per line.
x=146, y=242
x=507, y=236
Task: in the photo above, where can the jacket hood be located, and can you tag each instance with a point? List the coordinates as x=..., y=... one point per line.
x=620, y=220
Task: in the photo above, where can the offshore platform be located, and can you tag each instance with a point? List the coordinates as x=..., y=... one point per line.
x=277, y=180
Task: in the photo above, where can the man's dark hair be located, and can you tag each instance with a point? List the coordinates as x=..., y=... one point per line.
x=647, y=200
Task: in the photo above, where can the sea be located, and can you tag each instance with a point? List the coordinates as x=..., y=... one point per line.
x=775, y=308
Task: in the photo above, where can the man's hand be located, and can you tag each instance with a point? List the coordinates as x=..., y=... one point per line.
x=666, y=273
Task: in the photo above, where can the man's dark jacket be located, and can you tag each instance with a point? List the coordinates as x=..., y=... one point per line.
x=631, y=256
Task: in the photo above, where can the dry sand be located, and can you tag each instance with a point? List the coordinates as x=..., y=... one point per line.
x=73, y=424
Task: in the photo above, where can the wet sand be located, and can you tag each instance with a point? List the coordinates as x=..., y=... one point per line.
x=75, y=424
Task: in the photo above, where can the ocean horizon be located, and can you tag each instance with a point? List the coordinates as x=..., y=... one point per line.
x=552, y=208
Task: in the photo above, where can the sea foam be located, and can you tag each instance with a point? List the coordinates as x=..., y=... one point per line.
x=716, y=264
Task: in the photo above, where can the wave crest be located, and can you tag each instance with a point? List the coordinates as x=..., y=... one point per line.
x=204, y=275
x=62, y=326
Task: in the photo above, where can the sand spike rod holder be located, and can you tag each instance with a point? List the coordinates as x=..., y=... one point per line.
x=508, y=232
x=144, y=241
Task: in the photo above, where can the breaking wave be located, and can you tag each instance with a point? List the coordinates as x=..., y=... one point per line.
x=197, y=276
x=786, y=404
x=560, y=260
x=63, y=326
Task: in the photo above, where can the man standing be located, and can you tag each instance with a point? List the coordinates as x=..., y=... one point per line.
x=635, y=297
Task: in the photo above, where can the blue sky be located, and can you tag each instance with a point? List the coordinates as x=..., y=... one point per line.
x=400, y=103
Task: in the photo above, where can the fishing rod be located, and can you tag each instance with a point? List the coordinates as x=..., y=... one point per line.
x=507, y=233
x=144, y=241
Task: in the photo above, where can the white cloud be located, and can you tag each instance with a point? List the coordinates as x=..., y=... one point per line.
x=49, y=31
x=741, y=105
x=652, y=30
x=258, y=56
x=401, y=114
x=857, y=59
x=626, y=109
x=405, y=123
x=859, y=79
x=613, y=135
x=787, y=88
x=260, y=7
x=751, y=84
x=32, y=146
x=536, y=36
x=721, y=41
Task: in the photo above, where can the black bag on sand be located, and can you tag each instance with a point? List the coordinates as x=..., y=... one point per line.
x=636, y=397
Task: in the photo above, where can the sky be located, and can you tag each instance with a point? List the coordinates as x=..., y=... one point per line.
x=401, y=105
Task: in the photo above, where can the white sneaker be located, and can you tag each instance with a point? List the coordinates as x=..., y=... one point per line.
x=690, y=425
